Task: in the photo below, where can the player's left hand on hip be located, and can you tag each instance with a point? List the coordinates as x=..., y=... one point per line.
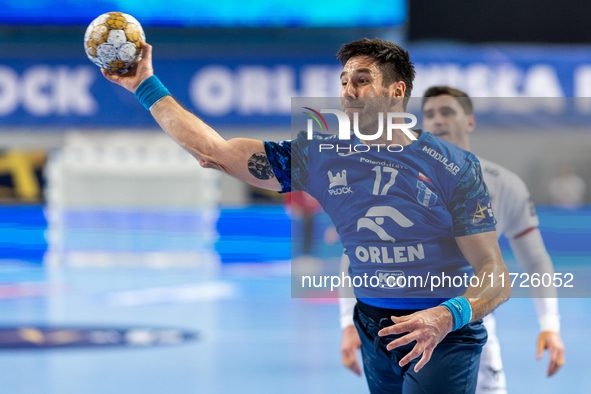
x=551, y=340
x=427, y=327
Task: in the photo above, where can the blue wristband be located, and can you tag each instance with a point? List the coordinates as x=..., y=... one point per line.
x=460, y=310
x=150, y=91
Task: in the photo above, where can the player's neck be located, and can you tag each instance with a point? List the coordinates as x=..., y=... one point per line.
x=465, y=144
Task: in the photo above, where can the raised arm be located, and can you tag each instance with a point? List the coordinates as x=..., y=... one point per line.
x=242, y=158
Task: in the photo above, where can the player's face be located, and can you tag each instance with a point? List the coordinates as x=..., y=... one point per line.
x=362, y=80
x=444, y=117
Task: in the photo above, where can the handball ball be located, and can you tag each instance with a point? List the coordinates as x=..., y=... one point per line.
x=114, y=41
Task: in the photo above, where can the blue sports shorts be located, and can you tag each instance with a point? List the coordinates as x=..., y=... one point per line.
x=453, y=367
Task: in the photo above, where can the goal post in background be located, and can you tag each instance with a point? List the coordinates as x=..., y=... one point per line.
x=133, y=199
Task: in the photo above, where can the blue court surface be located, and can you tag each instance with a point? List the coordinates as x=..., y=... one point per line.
x=250, y=336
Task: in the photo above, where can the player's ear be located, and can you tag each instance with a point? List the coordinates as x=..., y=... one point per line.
x=471, y=123
x=397, y=89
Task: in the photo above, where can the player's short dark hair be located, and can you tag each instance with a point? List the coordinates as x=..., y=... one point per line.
x=393, y=61
x=463, y=99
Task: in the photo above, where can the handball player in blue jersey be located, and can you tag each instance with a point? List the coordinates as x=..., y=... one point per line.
x=448, y=114
x=422, y=211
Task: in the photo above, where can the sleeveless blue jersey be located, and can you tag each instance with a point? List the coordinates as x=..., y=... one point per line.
x=397, y=212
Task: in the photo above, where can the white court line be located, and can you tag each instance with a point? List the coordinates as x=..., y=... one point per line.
x=197, y=292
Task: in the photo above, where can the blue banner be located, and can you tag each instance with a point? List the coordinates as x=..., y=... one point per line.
x=235, y=93
x=249, y=93
x=508, y=71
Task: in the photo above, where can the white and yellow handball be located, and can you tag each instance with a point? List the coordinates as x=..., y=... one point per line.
x=114, y=41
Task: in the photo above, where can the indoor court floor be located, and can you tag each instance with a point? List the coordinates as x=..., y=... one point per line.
x=251, y=336
x=233, y=328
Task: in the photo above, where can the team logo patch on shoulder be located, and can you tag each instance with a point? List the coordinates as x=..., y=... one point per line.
x=425, y=195
x=479, y=210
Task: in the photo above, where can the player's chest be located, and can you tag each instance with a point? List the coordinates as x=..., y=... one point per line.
x=347, y=180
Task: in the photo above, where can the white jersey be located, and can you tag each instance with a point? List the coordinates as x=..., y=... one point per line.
x=511, y=203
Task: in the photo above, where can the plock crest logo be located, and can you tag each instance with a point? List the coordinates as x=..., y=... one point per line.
x=338, y=179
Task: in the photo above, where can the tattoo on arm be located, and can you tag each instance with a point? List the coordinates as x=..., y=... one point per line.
x=259, y=166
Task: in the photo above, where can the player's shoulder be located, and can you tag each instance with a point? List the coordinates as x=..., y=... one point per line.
x=452, y=158
x=501, y=176
x=303, y=141
x=316, y=136
x=496, y=170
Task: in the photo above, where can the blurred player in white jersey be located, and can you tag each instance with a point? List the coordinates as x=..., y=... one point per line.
x=448, y=114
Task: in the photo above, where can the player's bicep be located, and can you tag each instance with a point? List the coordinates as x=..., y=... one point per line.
x=246, y=160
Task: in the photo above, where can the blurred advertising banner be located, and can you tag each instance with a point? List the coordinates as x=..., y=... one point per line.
x=54, y=93
x=508, y=71
x=249, y=93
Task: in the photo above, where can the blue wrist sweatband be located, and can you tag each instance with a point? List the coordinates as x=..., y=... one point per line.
x=150, y=91
x=460, y=310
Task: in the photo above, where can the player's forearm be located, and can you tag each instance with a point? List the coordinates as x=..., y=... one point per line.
x=347, y=298
x=530, y=252
x=486, y=298
x=241, y=158
x=484, y=255
x=190, y=132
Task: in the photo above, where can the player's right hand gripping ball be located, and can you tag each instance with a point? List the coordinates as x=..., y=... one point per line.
x=114, y=41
